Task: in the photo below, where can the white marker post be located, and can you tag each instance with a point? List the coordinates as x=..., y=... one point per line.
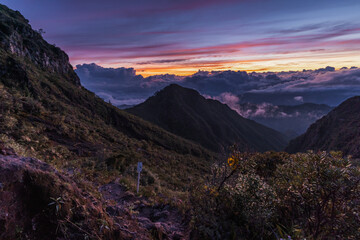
x=139, y=169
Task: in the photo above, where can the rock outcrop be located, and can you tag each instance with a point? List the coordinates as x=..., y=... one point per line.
x=38, y=202
x=17, y=35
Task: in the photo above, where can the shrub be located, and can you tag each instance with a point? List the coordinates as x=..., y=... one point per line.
x=319, y=195
x=307, y=195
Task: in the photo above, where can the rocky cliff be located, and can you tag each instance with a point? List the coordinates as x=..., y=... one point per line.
x=17, y=36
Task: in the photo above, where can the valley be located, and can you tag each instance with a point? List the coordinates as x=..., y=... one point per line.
x=225, y=154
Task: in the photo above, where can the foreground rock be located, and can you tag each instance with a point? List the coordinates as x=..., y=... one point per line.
x=37, y=202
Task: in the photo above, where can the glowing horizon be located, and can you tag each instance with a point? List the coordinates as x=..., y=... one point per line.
x=182, y=37
x=309, y=62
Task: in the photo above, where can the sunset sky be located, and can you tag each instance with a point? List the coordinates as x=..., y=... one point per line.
x=183, y=36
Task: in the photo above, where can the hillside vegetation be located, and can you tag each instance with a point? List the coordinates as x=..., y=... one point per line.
x=279, y=196
x=45, y=112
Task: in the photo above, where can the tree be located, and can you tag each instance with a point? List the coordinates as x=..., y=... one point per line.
x=41, y=31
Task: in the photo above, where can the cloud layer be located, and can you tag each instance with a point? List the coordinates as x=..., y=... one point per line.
x=323, y=86
x=180, y=37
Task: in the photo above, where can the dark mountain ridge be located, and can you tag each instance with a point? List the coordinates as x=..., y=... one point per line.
x=186, y=113
x=17, y=36
x=46, y=113
x=339, y=130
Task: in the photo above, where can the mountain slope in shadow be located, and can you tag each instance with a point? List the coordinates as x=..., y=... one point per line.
x=45, y=112
x=214, y=125
x=339, y=130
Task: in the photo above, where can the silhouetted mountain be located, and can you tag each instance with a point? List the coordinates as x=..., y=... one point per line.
x=124, y=106
x=186, y=113
x=339, y=130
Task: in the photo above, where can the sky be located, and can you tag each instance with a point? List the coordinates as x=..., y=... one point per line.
x=322, y=86
x=183, y=36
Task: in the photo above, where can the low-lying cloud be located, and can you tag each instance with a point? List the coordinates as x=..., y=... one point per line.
x=299, y=98
x=323, y=86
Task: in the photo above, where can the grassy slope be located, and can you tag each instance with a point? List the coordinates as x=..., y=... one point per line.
x=44, y=113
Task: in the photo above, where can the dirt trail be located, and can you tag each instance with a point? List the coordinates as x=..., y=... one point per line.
x=128, y=215
x=140, y=219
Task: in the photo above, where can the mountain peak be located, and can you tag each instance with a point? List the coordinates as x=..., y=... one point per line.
x=18, y=39
x=177, y=89
x=186, y=113
x=174, y=86
x=352, y=104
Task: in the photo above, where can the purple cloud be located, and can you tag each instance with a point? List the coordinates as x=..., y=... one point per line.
x=323, y=85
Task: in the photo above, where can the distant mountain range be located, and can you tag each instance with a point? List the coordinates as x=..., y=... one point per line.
x=291, y=120
x=339, y=130
x=126, y=86
x=186, y=113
